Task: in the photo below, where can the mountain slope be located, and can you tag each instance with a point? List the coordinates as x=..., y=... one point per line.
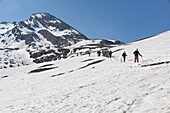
x=83, y=84
x=153, y=49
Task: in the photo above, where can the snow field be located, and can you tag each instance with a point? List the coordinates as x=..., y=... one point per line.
x=108, y=86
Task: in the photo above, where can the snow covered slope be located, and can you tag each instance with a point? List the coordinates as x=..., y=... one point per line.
x=153, y=49
x=5, y=26
x=83, y=84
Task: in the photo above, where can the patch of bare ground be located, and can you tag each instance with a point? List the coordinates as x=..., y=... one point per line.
x=41, y=70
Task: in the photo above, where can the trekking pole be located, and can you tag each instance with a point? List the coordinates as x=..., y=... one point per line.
x=127, y=58
x=142, y=60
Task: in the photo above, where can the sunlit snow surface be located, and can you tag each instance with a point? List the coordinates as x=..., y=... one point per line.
x=82, y=84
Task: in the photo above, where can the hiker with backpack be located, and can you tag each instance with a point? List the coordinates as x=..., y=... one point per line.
x=136, y=55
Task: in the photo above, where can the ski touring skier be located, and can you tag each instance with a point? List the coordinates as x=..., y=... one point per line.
x=136, y=55
x=124, y=56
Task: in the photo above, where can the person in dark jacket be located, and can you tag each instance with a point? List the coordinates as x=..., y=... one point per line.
x=136, y=55
x=98, y=53
x=110, y=54
x=124, y=56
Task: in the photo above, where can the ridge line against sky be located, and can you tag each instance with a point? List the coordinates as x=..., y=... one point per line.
x=125, y=20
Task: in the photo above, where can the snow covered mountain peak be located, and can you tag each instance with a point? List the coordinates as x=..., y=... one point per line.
x=41, y=26
x=42, y=15
x=50, y=22
x=43, y=20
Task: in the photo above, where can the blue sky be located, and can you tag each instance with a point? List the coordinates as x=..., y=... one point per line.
x=125, y=20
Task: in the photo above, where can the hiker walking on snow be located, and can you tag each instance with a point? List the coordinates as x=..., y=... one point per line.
x=98, y=53
x=124, y=56
x=136, y=54
x=110, y=54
